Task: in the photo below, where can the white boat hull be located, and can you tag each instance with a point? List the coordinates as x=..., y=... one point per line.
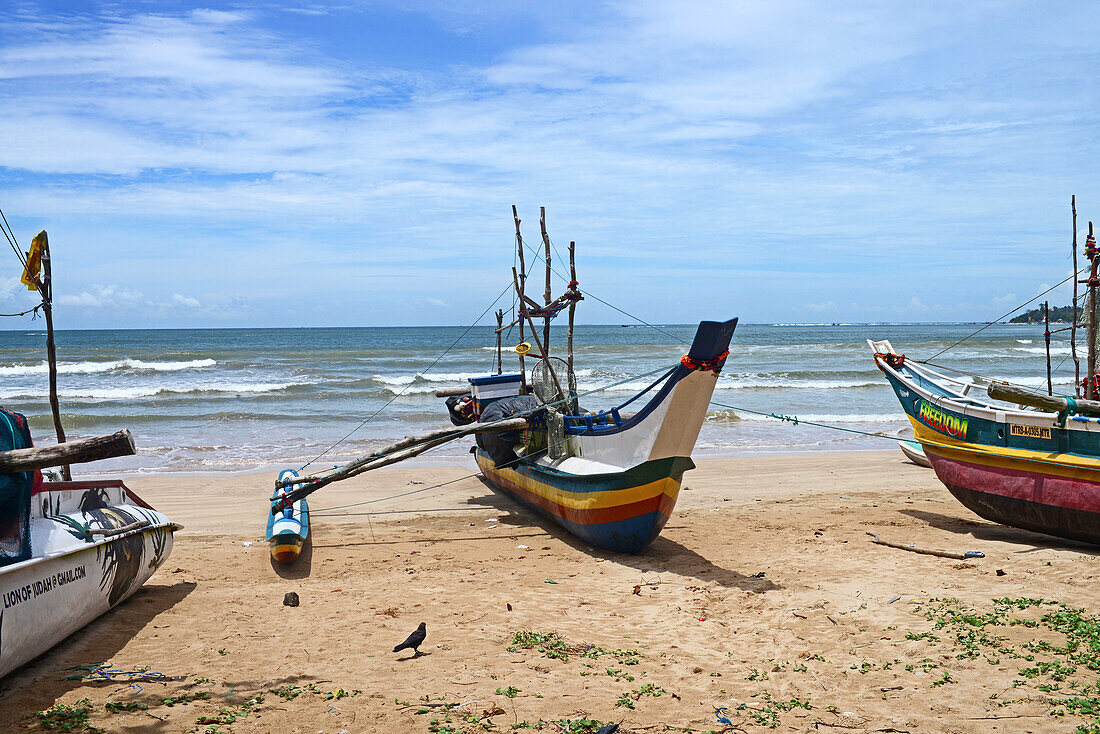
x=71, y=580
x=915, y=453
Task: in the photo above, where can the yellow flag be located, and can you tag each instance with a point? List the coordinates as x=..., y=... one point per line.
x=31, y=273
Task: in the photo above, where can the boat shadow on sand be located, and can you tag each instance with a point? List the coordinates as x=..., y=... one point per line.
x=38, y=684
x=663, y=555
x=300, y=568
x=984, y=530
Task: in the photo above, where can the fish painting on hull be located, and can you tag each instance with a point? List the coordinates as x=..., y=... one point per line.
x=94, y=550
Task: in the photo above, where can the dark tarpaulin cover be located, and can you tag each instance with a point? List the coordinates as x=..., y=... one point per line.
x=15, y=493
x=500, y=446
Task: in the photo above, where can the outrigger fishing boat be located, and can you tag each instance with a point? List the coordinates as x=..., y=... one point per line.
x=1009, y=454
x=611, y=478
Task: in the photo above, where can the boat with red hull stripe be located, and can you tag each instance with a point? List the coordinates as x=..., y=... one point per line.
x=1027, y=468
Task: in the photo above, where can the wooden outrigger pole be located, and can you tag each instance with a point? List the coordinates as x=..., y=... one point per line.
x=406, y=448
x=120, y=443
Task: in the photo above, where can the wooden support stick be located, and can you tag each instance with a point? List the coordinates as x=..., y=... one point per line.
x=1073, y=327
x=572, y=304
x=538, y=343
x=1046, y=333
x=46, y=290
x=521, y=278
x=500, y=327
x=1090, y=378
x=547, y=295
x=71, y=452
x=1053, y=403
x=926, y=551
x=448, y=392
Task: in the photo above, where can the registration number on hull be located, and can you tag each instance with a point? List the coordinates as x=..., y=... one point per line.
x=1028, y=431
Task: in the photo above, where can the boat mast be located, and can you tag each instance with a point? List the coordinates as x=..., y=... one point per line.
x=526, y=305
x=1073, y=326
x=547, y=296
x=572, y=303
x=1046, y=333
x=520, y=278
x=45, y=289
x=1093, y=280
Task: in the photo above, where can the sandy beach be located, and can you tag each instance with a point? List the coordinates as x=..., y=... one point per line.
x=763, y=602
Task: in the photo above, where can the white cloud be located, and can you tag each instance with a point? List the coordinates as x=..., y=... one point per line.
x=179, y=299
x=109, y=296
x=820, y=307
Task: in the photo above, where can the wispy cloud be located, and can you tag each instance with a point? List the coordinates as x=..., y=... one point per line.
x=761, y=143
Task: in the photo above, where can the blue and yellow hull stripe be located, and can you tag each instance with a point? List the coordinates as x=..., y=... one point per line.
x=620, y=511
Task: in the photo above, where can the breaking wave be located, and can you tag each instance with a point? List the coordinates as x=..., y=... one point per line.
x=133, y=393
x=92, y=368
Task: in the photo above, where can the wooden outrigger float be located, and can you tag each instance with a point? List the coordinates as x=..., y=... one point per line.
x=1010, y=454
x=609, y=477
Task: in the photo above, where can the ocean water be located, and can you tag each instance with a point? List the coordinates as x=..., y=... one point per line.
x=244, y=399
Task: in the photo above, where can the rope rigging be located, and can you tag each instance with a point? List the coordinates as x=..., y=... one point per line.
x=590, y=294
x=401, y=392
x=1014, y=310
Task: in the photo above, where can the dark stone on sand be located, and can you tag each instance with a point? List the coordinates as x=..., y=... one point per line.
x=290, y=600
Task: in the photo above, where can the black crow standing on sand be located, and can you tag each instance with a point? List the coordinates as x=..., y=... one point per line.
x=415, y=640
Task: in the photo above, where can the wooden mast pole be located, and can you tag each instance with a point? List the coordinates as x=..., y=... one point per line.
x=1093, y=281
x=1073, y=326
x=51, y=347
x=500, y=327
x=534, y=331
x=547, y=296
x=1046, y=332
x=519, y=289
x=572, y=304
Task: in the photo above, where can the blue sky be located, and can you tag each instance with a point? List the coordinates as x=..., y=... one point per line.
x=299, y=164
